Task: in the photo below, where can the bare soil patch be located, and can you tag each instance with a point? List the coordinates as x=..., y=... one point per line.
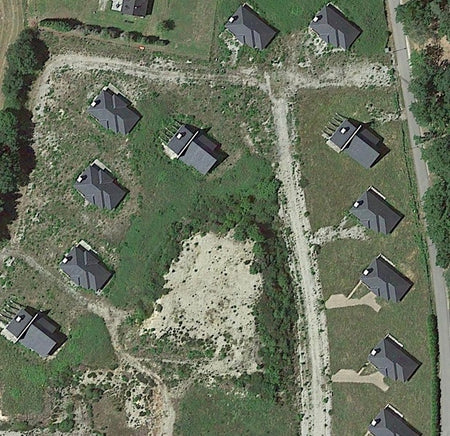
x=351, y=376
x=211, y=299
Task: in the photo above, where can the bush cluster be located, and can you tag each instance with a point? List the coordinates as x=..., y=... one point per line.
x=68, y=25
x=433, y=340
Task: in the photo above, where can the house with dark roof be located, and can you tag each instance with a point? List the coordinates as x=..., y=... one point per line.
x=375, y=213
x=191, y=145
x=36, y=331
x=356, y=140
x=113, y=111
x=138, y=8
x=390, y=422
x=334, y=28
x=385, y=281
x=99, y=187
x=83, y=266
x=392, y=360
x=249, y=28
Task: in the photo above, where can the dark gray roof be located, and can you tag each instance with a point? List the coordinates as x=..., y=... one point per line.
x=194, y=148
x=385, y=281
x=85, y=268
x=113, y=112
x=358, y=141
x=376, y=213
x=36, y=331
x=389, y=423
x=393, y=361
x=99, y=187
x=135, y=7
x=332, y=26
x=249, y=28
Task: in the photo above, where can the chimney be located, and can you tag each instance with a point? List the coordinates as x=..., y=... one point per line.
x=366, y=271
x=316, y=18
x=19, y=318
x=356, y=204
x=180, y=135
x=95, y=103
x=81, y=177
x=374, y=422
x=66, y=259
x=344, y=130
x=374, y=351
x=231, y=19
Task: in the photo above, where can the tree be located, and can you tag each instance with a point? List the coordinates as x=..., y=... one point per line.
x=9, y=152
x=437, y=155
x=437, y=211
x=167, y=25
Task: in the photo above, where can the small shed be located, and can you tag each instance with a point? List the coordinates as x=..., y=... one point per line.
x=385, y=281
x=392, y=360
x=334, y=28
x=249, y=28
x=36, y=331
x=84, y=268
x=375, y=213
x=191, y=145
x=99, y=187
x=113, y=111
x=390, y=422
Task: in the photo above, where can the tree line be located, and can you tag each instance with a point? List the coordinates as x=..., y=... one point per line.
x=430, y=84
x=24, y=58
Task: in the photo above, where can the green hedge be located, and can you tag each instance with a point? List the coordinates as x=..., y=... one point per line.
x=433, y=340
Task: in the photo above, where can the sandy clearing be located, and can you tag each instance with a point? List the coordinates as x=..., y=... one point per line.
x=351, y=376
x=316, y=420
x=211, y=298
x=328, y=234
x=102, y=5
x=340, y=300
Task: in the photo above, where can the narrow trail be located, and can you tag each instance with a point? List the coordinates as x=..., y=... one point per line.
x=315, y=394
x=113, y=318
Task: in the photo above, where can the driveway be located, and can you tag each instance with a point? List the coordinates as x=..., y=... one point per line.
x=402, y=54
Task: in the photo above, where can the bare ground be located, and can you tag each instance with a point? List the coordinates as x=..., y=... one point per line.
x=328, y=234
x=340, y=300
x=351, y=376
x=211, y=298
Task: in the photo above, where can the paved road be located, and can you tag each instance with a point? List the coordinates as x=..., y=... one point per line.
x=423, y=181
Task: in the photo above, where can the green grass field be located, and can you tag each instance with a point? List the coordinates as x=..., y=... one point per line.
x=213, y=411
x=197, y=22
x=334, y=181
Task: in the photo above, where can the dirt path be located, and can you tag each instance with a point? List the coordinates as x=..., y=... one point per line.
x=316, y=420
x=11, y=23
x=313, y=383
x=113, y=318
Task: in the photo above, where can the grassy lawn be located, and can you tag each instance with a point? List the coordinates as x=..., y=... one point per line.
x=205, y=411
x=192, y=36
x=333, y=182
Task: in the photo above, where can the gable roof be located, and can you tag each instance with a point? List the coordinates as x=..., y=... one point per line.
x=385, y=281
x=392, y=360
x=194, y=148
x=375, y=213
x=332, y=26
x=113, y=111
x=36, y=331
x=85, y=268
x=99, y=187
x=358, y=141
x=249, y=28
x=135, y=7
x=389, y=422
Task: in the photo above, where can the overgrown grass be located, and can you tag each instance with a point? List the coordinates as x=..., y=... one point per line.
x=205, y=411
x=334, y=181
x=25, y=386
